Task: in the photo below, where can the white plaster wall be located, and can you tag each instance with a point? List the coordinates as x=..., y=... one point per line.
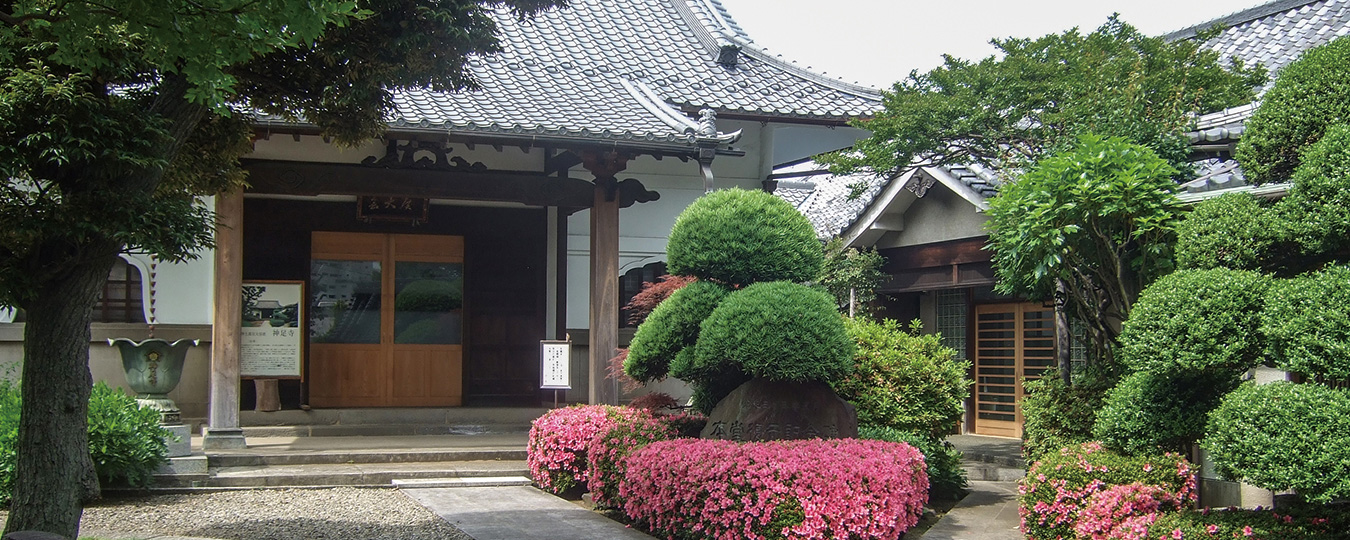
x=939, y=216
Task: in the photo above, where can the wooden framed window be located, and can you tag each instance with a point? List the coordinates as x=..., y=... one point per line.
x=121, y=300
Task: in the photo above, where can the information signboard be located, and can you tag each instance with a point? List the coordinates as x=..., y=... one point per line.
x=272, y=337
x=557, y=365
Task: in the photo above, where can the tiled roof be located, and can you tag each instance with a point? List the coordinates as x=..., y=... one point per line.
x=824, y=198
x=1276, y=33
x=627, y=70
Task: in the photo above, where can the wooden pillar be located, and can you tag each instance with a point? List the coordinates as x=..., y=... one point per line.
x=604, y=319
x=222, y=429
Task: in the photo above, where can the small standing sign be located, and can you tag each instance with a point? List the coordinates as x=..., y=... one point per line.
x=557, y=364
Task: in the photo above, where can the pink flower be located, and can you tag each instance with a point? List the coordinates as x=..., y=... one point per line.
x=1176, y=534
x=1247, y=531
x=1211, y=528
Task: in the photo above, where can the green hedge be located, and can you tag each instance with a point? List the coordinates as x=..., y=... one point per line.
x=904, y=380
x=1284, y=436
x=1307, y=323
x=671, y=327
x=1192, y=321
x=738, y=236
x=1230, y=231
x=1282, y=524
x=777, y=330
x=1150, y=413
x=1310, y=95
x=126, y=442
x=1318, y=206
x=1057, y=415
x=946, y=477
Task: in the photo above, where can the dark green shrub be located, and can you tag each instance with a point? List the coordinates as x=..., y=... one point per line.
x=946, y=476
x=1284, y=436
x=1057, y=415
x=431, y=296
x=1058, y=486
x=670, y=328
x=1310, y=95
x=777, y=330
x=737, y=236
x=1328, y=524
x=1307, y=323
x=904, y=380
x=1150, y=413
x=1231, y=231
x=1318, y=206
x=126, y=441
x=1196, y=320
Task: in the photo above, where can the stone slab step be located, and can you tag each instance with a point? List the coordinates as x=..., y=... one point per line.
x=989, y=472
x=331, y=475
x=380, y=430
x=244, y=458
x=425, y=416
x=485, y=481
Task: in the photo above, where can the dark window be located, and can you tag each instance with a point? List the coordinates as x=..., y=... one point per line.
x=120, y=301
x=632, y=282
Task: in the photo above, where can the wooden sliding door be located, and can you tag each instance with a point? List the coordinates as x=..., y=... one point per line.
x=1013, y=342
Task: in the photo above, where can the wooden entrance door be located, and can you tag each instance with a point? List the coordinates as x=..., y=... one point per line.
x=1014, y=342
x=386, y=320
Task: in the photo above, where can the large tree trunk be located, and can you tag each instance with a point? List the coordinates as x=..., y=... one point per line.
x=54, y=471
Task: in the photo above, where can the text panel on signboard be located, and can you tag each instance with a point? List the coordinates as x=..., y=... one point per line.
x=271, y=336
x=557, y=364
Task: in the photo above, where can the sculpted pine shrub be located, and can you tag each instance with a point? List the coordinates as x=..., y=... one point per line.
x=777, y=330
x=739, y=237
x=809, y=489
x=1195, y=321
x=1059, y=486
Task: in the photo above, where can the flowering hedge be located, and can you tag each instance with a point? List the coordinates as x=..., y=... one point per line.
x=810, y=489
x=1248, y=524
x=1057, y=488
x=556, y=452
x=607, y=451
x=1123, y=512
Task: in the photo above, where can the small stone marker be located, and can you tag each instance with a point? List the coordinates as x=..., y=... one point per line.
x=764, y=410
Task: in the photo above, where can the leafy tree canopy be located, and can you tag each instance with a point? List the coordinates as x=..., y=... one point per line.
x=1037, y=96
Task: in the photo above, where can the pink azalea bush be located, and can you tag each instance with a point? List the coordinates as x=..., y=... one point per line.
x=1312, y=523
x=608, y=449
x=809, y=489
x=556, y=452
x=1058, y=487
x=1123, y=512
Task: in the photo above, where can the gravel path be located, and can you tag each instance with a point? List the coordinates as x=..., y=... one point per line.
x=283, y=514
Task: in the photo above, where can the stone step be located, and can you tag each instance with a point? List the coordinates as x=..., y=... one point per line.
x=381, y=430
x=485, y=481
x=991, y=472
x=332, y=475
x=244, y=458
x=423, y=416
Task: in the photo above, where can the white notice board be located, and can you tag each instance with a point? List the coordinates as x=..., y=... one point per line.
x=556, y=358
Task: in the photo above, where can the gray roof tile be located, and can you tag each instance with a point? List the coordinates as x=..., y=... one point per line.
x=1276, y=33
x=626, y=70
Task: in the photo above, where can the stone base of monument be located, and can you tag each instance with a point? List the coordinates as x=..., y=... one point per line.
x=183, y=445
x=764, y=410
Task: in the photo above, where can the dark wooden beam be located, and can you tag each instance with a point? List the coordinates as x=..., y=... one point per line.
x=965, y=251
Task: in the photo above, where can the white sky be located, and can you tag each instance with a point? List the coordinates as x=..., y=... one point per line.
x=878, y=42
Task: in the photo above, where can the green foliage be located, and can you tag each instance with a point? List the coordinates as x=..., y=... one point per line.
x=671, y=328
x=946, y=476
x=1307, y=323
x=1230, y=231
x=736, y=236
x=1100, y=218
x=1057, y=415
x=1194, y=321
x=1317, y=209
x=1149, y=413
x=1311, y=95
x=778, y=330
x=1326, y=523
x=852, y=271
x=126, y=442
x=431, y=296
x=1284, y=436
x=904, y=380
x=1037, y=96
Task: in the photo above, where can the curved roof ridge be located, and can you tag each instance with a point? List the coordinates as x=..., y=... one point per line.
x=658, y=107
x=1239, y=17
x=751, y=48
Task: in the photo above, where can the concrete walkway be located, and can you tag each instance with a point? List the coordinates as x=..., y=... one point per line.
x=989, y=512
x=519, y=513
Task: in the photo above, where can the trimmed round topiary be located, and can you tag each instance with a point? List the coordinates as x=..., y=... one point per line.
x=740, y=237
x=670, y=328
x=1196, y=320
x=1307, y=323
x=1231, y=231
x=1310, y=95
x=1284, y=436
x=1148, y=413
x=1318, y=206
x=904, y=380
x=777, y=330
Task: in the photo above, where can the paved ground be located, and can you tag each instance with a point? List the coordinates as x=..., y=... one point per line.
x=989, y=512
x=519, y=513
